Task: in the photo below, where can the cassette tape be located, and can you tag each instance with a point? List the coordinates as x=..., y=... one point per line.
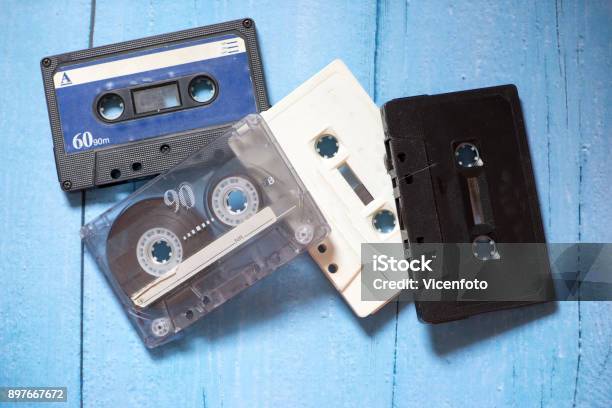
x=197, y=235
x=331, y=131
x=138, y=108
x=462, y=173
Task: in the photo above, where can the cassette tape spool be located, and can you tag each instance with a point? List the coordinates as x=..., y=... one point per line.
x=138, y=108
x=331, y=131
x=194, y=237
x=462, y=174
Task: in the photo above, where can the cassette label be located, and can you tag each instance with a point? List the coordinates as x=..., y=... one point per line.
x=135, y=109
x=197, y=235
x=152, y=84
x=331, y=131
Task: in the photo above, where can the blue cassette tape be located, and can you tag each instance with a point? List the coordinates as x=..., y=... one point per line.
x=135, y=109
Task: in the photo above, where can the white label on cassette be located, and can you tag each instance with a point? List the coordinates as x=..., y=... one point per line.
x=148, y=62
x=332, y=133
x=204, y=257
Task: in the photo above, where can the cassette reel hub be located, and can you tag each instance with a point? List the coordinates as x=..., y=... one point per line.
x=467, y=155
x=384, y=221
x=111, y=107
x=202, y=89
x=158, y=251
x=234, y=199
x=484, y=248
x=146, y=242
x=327, y=146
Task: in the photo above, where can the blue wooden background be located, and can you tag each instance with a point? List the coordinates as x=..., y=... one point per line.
x=290, y=340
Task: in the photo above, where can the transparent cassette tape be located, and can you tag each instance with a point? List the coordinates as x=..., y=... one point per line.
x=194, y=237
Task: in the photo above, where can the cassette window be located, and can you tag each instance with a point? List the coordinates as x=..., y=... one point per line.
x=157, y=98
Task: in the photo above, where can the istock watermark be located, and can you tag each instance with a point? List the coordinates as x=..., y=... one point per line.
x=384, y=263
x=387, y=263
x=533, y=272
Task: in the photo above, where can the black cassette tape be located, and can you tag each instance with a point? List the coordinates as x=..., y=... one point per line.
x=199, y=234
x=462, y=174
x=137, y=108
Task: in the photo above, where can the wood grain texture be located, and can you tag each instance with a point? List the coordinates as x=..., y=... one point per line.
x=534, y=356
x=40, y=261
x=290, y=340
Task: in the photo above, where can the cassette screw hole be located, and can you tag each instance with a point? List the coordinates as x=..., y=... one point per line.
x=401, y=156
x=161, y=252
x=247, y=23
x=189, y=314
x=384, y=221
x=332, y=268
x=67, y=185
x=205, y=300
x=115, y=173
x=327, y=146
x=484, y=248
x=136, y=166
x=202, y=89
x=467, y=156
x=322, y=248
x=269, y=181
x=160, y=327
x=164, y=149
x=236, y=201
x=111, y=107
x=304, y=234
x=46, y=62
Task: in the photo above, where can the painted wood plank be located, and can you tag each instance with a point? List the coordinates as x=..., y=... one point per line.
x=529, y=356
x=587, y=31
x=290, y=340
x=40, y=250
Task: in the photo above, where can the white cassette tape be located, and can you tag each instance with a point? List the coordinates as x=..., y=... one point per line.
x=332, y=133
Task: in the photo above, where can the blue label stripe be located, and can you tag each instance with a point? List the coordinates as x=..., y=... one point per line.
x=235, y=100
